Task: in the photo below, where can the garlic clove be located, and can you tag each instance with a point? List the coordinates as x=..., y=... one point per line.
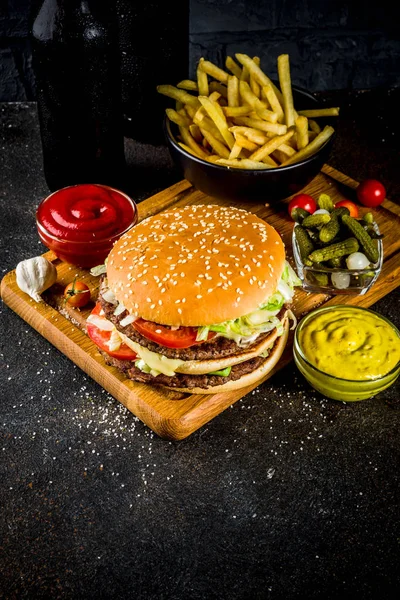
x=35, y=275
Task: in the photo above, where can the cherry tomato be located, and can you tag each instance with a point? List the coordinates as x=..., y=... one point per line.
x=350, y=205
x=302, y=201
x=371, y=193
x=184, y=337
x=101, y=337
x=77, y=294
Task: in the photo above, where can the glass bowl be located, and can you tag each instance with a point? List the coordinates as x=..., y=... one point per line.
x=81, y=223
x=318, y=278
x=346, y=390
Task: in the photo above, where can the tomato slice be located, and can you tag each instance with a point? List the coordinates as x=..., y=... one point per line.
x=184, y=337
x=101, y=337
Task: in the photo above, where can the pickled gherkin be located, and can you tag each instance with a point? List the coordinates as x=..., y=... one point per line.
x=325, y=202
x=335, y=250
x=369, y=247
x=368, y=218
x=316, y=220
x=320, y=279
x=330, y=230
x=341, y=210
x=298, y=214
x=304, y=243
x=336, y=263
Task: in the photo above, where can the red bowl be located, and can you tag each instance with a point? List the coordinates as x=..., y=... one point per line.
x=81, y=223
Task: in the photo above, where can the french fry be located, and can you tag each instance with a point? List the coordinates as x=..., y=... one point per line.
x=202, y=80
x=233, y=67
x=286, y=149
x=258, y=137
x=177, y=117
x=214, y=71
x=218, y=118
x=216, y=86
x=254, y=86
x=254, y=135
x=313, y=125
x=177, y=94
x=236, y=111
x=236, y=150
x=213, y=158
x=249, y=98
x=192, y=110
x=268, y=92
x=279, y=156
x=196, y=133
x=312, y=147
x=245, y=143
x=189, y=141
x=271, y=145
x=215, y=144
x=209, y=125
x=258, y=74
x=268, y=160
x=320, y=112
x=214, y=96
x=233, y=91
x=188, y=149
x=286, y=88
x=245, y=75
x=188, y=84
x=243, y=163
x=301, y=132
x=275, y=128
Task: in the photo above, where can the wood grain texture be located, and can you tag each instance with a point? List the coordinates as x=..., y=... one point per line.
x=175, y=415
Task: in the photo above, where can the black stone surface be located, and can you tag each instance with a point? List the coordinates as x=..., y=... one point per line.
x=285, y=495
x=352, y=44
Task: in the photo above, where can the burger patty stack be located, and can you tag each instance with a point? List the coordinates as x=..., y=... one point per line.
x=195, y=299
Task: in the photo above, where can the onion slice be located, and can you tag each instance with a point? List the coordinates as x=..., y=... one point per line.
x=109, y=296
x=127, y=320
x=100, y=322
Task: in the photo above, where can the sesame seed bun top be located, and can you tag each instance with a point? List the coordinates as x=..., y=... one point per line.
x=197, y=265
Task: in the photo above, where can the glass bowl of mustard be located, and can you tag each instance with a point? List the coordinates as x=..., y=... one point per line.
x=347, y=353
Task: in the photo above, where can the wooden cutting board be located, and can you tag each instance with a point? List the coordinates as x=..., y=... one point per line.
x=170, y=414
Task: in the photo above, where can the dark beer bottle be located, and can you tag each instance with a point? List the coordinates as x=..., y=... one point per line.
x=78, y=91
x=154, y=49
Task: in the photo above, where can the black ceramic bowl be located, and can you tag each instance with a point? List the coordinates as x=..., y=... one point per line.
x=267, y=185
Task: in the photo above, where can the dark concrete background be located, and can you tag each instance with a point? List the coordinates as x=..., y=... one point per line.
x=284, y=496
x=351, y=45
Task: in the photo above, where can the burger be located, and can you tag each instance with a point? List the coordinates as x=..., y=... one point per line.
x=196, y=299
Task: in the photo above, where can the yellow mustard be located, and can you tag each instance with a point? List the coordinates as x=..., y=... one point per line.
x=351, y=344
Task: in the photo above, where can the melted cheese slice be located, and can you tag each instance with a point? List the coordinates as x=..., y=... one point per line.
x=155, y=361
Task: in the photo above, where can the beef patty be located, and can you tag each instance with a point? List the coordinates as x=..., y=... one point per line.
x=218, y=347
x=183, y=380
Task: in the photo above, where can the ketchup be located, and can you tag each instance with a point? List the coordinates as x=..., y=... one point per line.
x=80, y=223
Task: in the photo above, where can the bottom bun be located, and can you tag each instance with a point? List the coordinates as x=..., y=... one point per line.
x=250, y=378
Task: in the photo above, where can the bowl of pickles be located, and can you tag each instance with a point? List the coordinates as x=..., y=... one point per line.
x=334, y=252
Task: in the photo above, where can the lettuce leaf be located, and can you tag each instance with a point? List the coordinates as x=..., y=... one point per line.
x=246, y=329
